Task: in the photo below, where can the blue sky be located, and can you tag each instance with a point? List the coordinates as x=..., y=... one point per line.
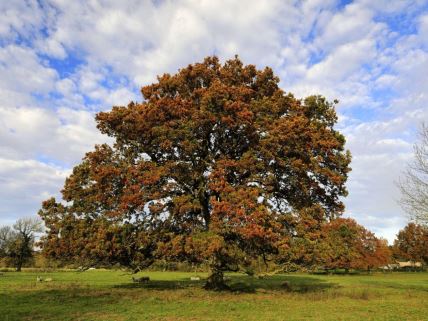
x=62, y=61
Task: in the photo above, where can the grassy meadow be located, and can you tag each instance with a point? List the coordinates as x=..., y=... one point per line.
x=111, y=295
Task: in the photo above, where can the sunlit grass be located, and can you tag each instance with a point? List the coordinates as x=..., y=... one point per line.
x=111, y=295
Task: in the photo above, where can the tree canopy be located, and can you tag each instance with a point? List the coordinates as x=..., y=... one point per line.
x=215, y=165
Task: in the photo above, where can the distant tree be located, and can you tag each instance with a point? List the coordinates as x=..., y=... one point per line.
x=213, y=166
x=374, y=252
x=339, y=244
x=17, y=244
x=414, y=182
x=412, y=243
x=344, y=244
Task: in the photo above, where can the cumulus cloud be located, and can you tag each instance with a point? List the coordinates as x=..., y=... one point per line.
x=19, y=18
x=62, y=136
x=143, y=39
x=22, y=72
x=24, y=185
x=353, y=23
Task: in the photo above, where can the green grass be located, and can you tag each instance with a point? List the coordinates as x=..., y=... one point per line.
x=110, y=295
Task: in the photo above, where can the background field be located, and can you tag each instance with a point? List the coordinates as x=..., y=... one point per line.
x=110, y=295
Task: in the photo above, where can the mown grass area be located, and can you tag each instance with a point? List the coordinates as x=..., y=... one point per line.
x=111, y=295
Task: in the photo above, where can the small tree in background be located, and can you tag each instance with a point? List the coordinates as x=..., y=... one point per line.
x=344, y=244
x=412, y=243
x=339, y=244
x=17, y=243
x=214, y=166
x=374, y=252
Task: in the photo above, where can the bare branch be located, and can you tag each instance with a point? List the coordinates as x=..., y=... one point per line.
x=414, y=182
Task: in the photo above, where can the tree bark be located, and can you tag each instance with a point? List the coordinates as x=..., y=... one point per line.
x=215, y=280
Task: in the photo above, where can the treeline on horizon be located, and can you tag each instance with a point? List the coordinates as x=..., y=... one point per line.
x=340, y=245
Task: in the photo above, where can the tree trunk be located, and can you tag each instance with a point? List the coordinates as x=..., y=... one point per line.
x=18, y=267
x=204, y=201
x=215, y=280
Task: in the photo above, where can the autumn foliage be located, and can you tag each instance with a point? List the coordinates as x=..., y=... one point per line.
x=216, y=165
x=412, y=243
x=344, y=244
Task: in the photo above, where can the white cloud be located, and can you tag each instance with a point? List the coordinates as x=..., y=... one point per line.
x=52, y=48
x=22, y=71
x=142, y=39
x=25, y=184
x=19, y=18
x=423, y=29
x=62, y=136
x=343, y=62
x=353, y=24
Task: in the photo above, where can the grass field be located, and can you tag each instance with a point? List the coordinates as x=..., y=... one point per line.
x=110, y=295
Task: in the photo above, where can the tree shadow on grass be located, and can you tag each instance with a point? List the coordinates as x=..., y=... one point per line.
x=161, y=284
x=244, y=284
x=74, y=301
x=280, y=283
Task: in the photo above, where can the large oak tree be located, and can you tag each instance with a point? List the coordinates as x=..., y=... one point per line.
x=215, y=165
